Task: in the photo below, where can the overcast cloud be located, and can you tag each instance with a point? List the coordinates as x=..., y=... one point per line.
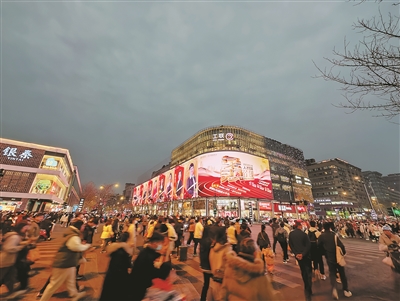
x=122, y=84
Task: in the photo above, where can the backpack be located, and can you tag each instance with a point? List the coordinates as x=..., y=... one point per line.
x=281, y=237
x=312, y=236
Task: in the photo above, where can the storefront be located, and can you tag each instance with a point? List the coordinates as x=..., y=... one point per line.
x=41, y=177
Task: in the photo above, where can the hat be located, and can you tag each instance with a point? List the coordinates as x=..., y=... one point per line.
x=386, y=228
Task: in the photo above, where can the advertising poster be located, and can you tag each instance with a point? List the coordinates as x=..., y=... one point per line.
x=134, y=196
x=234, y=174
x=140, y=195
x=169, y=188
x=190, y=182
x=144, y=194
x=154, y=195
x=161, y=188
x=178, y=183
x=149, y=192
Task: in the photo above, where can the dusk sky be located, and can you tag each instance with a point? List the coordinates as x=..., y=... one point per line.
x=121, y=84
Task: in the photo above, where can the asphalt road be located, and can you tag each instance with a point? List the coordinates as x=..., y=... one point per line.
x=368, y=277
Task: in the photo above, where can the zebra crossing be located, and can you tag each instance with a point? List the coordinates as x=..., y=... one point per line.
x=288, y=275
x=47, y=250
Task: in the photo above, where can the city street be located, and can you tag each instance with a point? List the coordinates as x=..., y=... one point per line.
x=368, y=277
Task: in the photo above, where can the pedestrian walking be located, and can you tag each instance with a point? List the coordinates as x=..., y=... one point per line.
x=192, y=226
x=198, y=234
x=217, y=257
x=316, y=253
x=116, y=281
x=274, y=225
x=232, y=236
x=65, y=262
x=300, y=246
x=244, y=277
x=106, y=235
x=12, y=244
x=143, y=270
x=328, y=242
x=205, y=246
x=282, y=237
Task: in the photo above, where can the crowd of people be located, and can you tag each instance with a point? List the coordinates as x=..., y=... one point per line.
x=234, y=266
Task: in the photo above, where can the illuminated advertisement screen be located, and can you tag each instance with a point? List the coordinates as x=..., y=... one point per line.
x=230, y=174
x=234, y=174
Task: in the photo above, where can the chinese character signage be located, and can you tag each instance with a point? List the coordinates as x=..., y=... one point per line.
x=223, y=136
x=20, y=155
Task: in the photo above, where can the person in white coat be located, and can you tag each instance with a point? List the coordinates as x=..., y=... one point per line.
x=132, y=234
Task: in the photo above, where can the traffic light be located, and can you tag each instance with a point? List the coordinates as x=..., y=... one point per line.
x=390, y=211
x=215, y=211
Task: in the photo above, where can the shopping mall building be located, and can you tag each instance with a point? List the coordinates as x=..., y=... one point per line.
x=37, y=177
x=229, y=171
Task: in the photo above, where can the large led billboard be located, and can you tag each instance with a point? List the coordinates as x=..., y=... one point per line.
x=234, y=174
x=229, y=174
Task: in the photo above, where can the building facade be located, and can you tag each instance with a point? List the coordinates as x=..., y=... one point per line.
x=338, y=189
x=228, y=171
x=37, y=177
x=382, y=196
x=392, y=181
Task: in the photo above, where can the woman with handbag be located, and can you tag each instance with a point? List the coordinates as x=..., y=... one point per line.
x=106, y=235
x=334, y=250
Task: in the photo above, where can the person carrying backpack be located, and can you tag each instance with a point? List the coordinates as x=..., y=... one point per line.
x=316, y=253
x=281, y=236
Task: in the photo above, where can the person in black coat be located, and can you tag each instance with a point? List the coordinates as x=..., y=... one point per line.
x=143, y=270
x=300, y=245
x=115, y=286
x=205, y=247
x=326, y=242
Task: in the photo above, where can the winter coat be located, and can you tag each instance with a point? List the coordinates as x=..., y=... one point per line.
x=116, y=285
x=263, y=240
x=244, y=279
x=205, y=246
x=217, y=264
x=107, y=232
x=10, y=248
x=143, y=272
x=326, y=242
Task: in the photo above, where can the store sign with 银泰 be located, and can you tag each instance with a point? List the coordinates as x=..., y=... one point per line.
x=20, y=155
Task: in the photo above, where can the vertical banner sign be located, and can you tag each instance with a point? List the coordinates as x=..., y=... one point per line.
x=80, y=206
x=251, y=211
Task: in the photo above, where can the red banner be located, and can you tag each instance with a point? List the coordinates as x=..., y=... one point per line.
x=301, y=209
x=284, y=208
x=265, y=206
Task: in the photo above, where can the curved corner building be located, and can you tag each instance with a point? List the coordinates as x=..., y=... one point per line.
x=229, y=171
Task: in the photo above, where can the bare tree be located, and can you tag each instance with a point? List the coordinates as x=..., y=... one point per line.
x=90, y=194
x=372, y=67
